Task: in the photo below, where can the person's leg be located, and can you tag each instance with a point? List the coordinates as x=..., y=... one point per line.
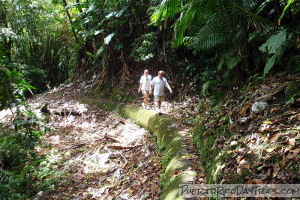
x=146, y=99
x=156, y=102
x=161, y=99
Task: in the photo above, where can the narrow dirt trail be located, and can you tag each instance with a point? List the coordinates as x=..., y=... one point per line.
x=90, y=153
x=94, y=154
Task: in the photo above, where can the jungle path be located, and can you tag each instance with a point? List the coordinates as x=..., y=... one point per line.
x=97, y=154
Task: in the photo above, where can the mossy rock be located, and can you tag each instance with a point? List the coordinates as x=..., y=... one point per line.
x=292, y=90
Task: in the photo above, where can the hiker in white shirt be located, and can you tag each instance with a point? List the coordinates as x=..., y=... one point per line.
x=145, y=88
x=158, y=85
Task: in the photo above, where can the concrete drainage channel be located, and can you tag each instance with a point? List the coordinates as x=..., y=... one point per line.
x=169, y=138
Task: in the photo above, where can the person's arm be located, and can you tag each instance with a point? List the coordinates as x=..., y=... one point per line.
x=150, y=92
x=168, y=86
x=139, y=90
x=140, y=86
x=151, y=86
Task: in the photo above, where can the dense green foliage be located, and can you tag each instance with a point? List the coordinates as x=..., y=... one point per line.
x=215, y=43
x=34, y=40
x=205, y=46
x=239, y=38
x=18, y=159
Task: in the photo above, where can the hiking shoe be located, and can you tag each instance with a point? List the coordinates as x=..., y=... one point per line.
x=143, y=105
x=158, y=111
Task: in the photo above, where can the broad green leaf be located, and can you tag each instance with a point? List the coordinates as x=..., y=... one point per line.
x=111, y=14
x=274, y=46
x=92, y=6
x=274, y=42
x=100, y=51
x=272, y=60
x=270, y=63
x=98, y=32
x=108, y=38
x=119, y=14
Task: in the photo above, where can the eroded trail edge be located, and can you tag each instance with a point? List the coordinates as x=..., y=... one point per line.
x=180, y=161
x=92, y=153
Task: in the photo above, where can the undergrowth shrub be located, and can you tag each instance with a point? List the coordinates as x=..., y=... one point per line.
x=18, y=156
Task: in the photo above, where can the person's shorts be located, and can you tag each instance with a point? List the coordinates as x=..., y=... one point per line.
x=145, y=91
x=159, y=98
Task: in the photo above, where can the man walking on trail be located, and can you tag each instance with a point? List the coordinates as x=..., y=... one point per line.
x=145, y=88
x=158, y=85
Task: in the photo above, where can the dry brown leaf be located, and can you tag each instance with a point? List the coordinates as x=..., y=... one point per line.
x=296, y=152
x=292, y=154
x=284, y=161
x=276, y=169
x=176, y=172
x=112, y=139
x=77, y=178
x=243, y=166
x=255, y=181
x=245, y=110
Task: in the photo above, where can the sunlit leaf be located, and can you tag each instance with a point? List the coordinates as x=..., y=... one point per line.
x=108, y=38
x=119, y=14
x=99, y=51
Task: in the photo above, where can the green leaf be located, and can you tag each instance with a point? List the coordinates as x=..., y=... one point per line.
x=272, y=60
x=109, y=15
x=100, y=51
x=108, y=38
x=274, y=46
x=90, y=54
x=119, y=14
x=270, y=63
x=98, y=32
x=274, y=42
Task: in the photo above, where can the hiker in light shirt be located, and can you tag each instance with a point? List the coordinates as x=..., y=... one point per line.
x=158, y=85
x=145, y=88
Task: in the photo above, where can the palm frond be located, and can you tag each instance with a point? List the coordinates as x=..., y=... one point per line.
x=166, y=9
x=183, y=22
x=249, y=5
x=234, y=61
x=253, y=20
x=224, y=57
x=208, y=38
x=201, y=19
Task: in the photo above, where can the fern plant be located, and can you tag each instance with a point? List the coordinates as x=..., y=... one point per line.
x=215, y=28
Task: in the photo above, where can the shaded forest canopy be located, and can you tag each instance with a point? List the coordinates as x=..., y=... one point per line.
x=204, y=44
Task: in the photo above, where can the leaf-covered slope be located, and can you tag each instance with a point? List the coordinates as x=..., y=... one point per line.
x=255, y=135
